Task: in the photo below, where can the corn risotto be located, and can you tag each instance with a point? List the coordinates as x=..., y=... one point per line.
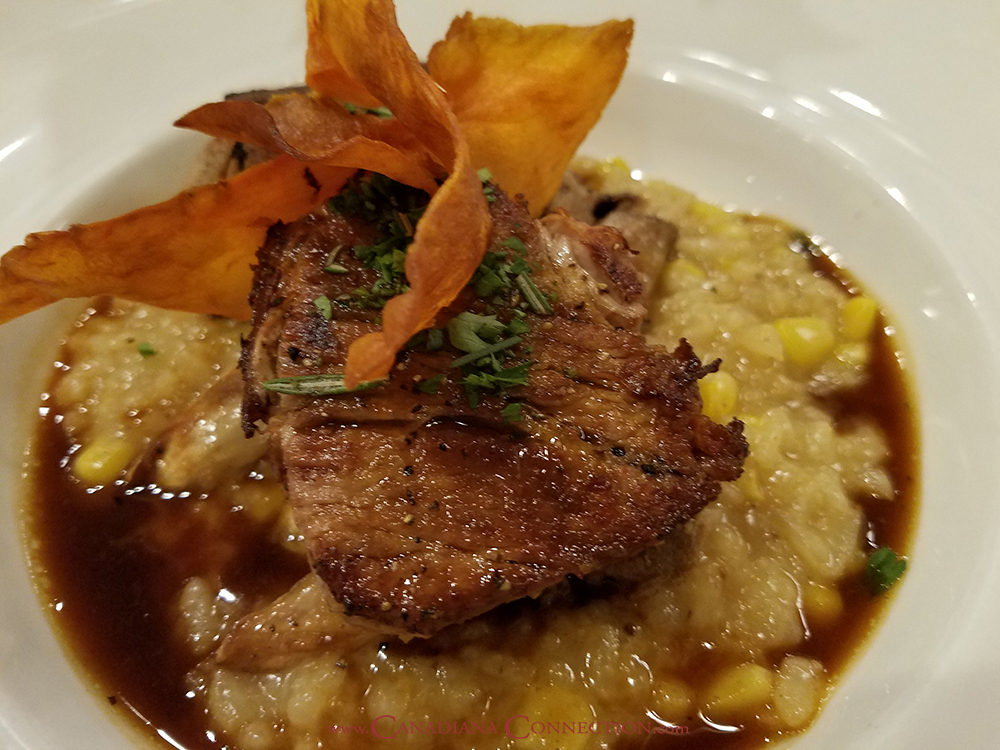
x=158, y=526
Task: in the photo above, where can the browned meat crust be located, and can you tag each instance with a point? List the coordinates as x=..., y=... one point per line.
x=420, y=510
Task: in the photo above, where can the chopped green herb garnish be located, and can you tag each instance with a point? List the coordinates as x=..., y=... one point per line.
x=382, y=112
x=394, y=209
x=486, y=351
x=571, y=373
x=472, y=394
x=331, y=266
x=884, y=568
x=324, y=306
x=512, y=412
x=532, y=295
x=417, y=339
x=489, y=283
x=469, y=332
x=435, y=339
x=518, y=326
x=431, y=384
x=146, y=350
x=515, y=244
x=485, y=175
x=506, y=378
x=316, y=385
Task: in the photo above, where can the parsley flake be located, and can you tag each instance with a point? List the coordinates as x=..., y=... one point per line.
x=512, y=412
x=435, y=339
x=883, y=569
x=146, y=350
x=430, y=385
x=515, y=244
x=324, y=306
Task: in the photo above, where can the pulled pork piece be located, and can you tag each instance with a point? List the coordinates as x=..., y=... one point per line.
x=205, y=445
x=299, y=622
x=627, y=213
x=561, y=443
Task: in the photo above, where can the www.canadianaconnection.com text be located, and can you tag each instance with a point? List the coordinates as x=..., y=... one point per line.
x=517, y=727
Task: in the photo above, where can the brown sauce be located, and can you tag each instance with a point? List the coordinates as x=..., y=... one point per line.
x=115, y=592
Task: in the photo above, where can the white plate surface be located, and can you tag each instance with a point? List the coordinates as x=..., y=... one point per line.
x=872, y=124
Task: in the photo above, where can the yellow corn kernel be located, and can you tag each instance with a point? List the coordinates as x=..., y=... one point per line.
x=287, y=533
x=262, y=500
x=102, y=460
x=709, y=213
x=821, y=604
x=807, y=341
x=554, y=704
x=750, y=485
x=672, y=699
x=854, y=355
x=738, y=693
x=857, y=319
x=763, y=339
x=684, y=274
x=719, y=393
x=619, y=163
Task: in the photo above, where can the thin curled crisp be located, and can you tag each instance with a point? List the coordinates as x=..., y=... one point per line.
x=527, y=96
x=311, y=129
x=192, y=252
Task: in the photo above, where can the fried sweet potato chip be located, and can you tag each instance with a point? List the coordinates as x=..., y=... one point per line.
x=325, y=73
x=192, y=252
x=311, y=129
x=526, y=97
x=362, y=42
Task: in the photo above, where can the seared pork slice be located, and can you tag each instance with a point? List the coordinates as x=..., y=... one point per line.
x=444, y=493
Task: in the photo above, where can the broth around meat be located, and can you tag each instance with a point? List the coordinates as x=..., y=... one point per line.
x=730, y=633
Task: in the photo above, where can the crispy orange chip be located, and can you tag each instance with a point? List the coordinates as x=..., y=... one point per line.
x=526, y=97
x=192, y=252
x=325, y=73
x=310, y=129
x=364, y=42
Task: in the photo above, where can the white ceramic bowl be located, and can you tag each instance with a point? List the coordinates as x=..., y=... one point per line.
x=846, y=118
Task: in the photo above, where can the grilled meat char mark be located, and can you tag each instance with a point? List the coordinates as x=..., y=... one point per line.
x=419, y=510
